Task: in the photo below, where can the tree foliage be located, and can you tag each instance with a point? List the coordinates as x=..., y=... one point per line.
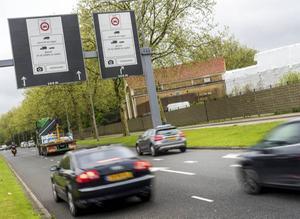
x=226, y=46
x=167, y=26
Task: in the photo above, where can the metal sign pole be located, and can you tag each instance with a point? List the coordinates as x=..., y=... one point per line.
x=150, y=82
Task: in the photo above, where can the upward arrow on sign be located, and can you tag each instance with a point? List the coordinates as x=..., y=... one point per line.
x=79, y=75
x=24, y=81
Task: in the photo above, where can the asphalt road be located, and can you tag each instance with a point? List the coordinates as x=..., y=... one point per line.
x=196, y=184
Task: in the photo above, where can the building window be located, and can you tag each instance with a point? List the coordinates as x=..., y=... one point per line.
x=207, y=80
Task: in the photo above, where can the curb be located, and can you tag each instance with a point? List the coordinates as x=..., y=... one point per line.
x=217, y=148
x=44, y=212
x=188, y=148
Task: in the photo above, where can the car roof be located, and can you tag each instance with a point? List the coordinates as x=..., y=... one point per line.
x=166, y=126
x=297, y=119
x=96, y=149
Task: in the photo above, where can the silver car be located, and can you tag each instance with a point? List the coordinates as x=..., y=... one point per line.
x=161, y=139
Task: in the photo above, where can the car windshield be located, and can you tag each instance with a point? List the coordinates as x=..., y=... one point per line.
x=166, y=132
x=103, y=157
x=281, y=135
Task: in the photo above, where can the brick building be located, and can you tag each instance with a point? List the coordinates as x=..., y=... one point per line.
x=191, y=82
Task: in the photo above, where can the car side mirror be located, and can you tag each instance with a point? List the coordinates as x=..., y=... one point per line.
x=54, y=168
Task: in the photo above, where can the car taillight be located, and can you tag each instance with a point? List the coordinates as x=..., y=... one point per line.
x=88, y=176
x=158, y=137
x=142, y=165
x=181, y=135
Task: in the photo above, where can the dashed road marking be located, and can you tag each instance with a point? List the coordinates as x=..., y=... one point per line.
x=202, y=199
x=231, y=156
x=158, y=159
x=167, y=169
x=51, y=160
x=235, y=165
x=155, y=169
x=179, y=172
x=190, y=161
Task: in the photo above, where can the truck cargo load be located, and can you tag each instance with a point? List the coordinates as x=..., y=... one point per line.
x=51, y=138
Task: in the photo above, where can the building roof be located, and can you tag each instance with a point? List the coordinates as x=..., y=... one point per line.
x=181, y=72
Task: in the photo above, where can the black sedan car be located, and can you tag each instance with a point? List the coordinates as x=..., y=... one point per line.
x=91, y=176
x=161, y=139
x=275, y=161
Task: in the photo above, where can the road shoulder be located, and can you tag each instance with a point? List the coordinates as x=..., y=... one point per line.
x=36, y=204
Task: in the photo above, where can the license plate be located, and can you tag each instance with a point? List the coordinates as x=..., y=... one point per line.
x=119, y=176
x=172, y=138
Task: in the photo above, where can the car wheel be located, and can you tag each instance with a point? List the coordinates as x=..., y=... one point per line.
x=138, y=150
x=145, y=196
x=250, y=181
x=182, y=150
x=153, y=151
x=54, y=192
x=72, y=207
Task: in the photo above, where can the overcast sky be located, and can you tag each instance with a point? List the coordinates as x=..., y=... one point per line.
x=260, y=24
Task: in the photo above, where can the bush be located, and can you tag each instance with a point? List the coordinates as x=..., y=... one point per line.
x=290, y=78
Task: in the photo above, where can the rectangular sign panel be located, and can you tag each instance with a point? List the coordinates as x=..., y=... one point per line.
x=47, y=45
x=117, y=42
x=47, y=50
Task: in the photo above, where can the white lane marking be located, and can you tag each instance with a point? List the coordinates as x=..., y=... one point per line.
x=158, y=159
x=155, y=169
x=235, y=165
x=231, y=156
x=190, y=161
x=57, y=161
x=202, y=199
x=179, y=172
x=52, y=160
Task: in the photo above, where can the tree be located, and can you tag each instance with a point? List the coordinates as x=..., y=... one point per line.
x=226, y=46
x=164, y=25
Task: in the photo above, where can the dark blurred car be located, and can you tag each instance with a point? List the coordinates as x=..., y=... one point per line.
x=161, y=139
x=275, y=161
x=91, y=176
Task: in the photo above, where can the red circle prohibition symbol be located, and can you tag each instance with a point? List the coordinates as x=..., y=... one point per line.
x=115, y=21
x=44, y=26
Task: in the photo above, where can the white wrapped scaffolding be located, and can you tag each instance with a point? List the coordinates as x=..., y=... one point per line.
x=271, y=66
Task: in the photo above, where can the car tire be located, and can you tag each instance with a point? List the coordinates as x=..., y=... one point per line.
x=250, y=181
x=74, y=210
x=182, y=150
x=138, y=150
x=153, y=151
x=145, y=196
x=55, y=195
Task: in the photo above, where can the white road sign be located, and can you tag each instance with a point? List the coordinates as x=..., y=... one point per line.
x=117, y=39
x=47, y=45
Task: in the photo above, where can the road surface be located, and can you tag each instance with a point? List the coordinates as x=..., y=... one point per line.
x=195, y=184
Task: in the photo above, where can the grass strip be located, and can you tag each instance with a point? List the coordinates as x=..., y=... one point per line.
x=229, y=136
x=13, y=202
